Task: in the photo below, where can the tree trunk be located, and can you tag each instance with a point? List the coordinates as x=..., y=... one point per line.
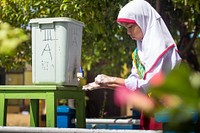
x=158, y=6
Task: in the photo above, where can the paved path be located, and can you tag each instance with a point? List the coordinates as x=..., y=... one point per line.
x=7, y=129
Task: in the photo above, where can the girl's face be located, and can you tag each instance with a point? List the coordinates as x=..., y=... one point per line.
x=134, y=31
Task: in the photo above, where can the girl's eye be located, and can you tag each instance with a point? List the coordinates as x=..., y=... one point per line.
x=129, y=27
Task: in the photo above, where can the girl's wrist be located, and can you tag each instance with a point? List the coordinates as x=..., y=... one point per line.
x=113, y=80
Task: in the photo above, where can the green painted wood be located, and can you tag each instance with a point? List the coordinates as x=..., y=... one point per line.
x=3, y=114
x=25, y=94
x=80, y=113
x=79, y=97
x=27, y=87
x=37, y=87
x=69, y=94
x=51, y=110
x=50, y=93
x=34, y=112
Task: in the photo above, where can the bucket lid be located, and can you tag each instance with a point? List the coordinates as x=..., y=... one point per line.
x=55, y=19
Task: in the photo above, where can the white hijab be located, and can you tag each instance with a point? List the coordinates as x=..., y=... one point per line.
x=157, y=39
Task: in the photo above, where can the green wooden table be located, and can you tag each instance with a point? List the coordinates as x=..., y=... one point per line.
x=50, y=93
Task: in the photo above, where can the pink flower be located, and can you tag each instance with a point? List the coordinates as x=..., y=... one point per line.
x=158, y=79
x=120, y=95
x=123, y=96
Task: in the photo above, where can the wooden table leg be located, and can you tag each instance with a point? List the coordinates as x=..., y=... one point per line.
x=80, y=110
x=34, y=112
x=51, y=111
x=79, y=97
x=3, y=112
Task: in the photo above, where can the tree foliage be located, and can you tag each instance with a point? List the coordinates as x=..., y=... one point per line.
x=185, y=27
x=106, y=46
x=10, y=39
x=188, y=27
x=102, y=37
x=178, y=102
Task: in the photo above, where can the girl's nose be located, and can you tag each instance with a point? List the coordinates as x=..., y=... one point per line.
x=128, y=32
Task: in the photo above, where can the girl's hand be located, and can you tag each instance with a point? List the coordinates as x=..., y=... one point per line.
x=104, y=79
x=91, y=86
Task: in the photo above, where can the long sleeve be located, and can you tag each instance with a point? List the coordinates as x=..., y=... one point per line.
x=133, y=82
x=165, y=64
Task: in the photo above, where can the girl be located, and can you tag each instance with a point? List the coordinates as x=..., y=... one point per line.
x=156, y=52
